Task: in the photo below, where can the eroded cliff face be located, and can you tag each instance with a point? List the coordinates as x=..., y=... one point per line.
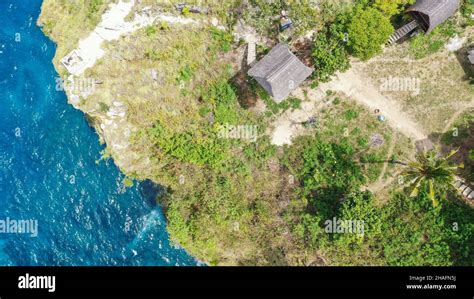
x=125, y=74
x=82, y=50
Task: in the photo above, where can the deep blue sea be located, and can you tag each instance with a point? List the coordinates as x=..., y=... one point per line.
x=49, y=173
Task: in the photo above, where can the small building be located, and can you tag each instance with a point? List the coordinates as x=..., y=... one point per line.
x=280, y=72
x=73, y=62
x=471, y=58
x=430, y=13
x=427, y=15
x=470, y=55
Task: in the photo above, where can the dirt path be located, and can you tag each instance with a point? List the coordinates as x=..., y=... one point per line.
x=455, y=117
x=289, y=124
x=358, y=87
x=381, y=182
x=361, y=89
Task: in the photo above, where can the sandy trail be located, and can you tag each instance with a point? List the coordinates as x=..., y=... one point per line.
x=382, y=183
x=358, y=87
x=455, y=116
x=289, y=124
x=361, y=89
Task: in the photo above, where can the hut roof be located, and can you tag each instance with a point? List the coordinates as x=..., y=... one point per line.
x=435, y=11
x=470, y=54
x=471, y=58
x=280, y=72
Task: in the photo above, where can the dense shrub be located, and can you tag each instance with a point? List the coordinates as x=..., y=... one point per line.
x=223, y=98
x=424, y=45
x=222, y=40
x=329, y=51
x=392, y=7
x=368, y=30
x=198, y=147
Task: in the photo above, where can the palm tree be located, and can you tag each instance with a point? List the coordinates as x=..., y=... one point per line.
x=433, y=170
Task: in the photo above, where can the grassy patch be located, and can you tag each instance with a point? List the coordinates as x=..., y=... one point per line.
x=422, y=45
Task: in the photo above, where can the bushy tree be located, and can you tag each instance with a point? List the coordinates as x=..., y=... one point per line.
x=392, y=7
x=330, y=165
x=329, y=51
x=368, y=30
x=413, y=233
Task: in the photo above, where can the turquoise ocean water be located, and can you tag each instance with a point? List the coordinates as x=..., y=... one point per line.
x=48, y=169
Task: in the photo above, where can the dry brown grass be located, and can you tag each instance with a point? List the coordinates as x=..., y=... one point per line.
x=66, y=22
x=444, y=88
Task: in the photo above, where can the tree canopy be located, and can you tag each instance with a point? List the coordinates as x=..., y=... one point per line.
x=368, y=30
x=392, y=7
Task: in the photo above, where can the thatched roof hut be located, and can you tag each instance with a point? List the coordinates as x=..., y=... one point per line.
x=280, y=72
x=431, y=13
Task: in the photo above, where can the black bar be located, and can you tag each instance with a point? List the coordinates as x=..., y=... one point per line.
x=244, y=282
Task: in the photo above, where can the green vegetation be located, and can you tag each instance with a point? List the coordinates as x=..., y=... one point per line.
x=368, y=31
x=237, y=199
x=185, y=11
x=94, y=7
x=127, y=182
x=151, y=30
x=461, y=136
x=186, y=147
x=304, y=15
x=406, y=231
x=351, y=114
x=392, y=7
x=360, y=31
x=327, y=166
x=467, y=9
x=414, y=232
x=422, y=45
x=429, y=171
x=329, y=51
x=223, y=39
